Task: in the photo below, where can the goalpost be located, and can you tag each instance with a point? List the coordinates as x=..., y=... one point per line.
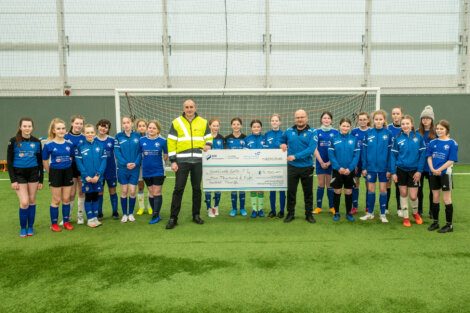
x=165, y=105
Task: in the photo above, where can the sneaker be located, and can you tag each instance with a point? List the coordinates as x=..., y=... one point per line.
x=30, y=231
x=68, y=226
x=216, y=211
x=280, y=214
x=261, y=213
x=418, y=218
x=210, y=212
x=383, y=218
x=354, y=211
x=254, y=214
x=115, y=216
x=23, y=233
x=97, y=222
x=233, y=212
x=272, y=214
x=336, y=217
x=150, y=211
x=317, y=211
x=332, y=211
x=350, y=218
x=80, y=220
x=140, y=212
x=91, y=223
x=56, y=228
x=131, y=218
x=448, y=228
x=366, y=217
x=406, y=222
x=400, y=213
x=243, y=212
x=155, y=219
x=433, y=226
x=124, y=219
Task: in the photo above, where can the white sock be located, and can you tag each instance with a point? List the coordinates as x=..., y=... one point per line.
x=140, y=199
x=81, y=205
x=414, y=205
x=403, y=202
x=405, y=212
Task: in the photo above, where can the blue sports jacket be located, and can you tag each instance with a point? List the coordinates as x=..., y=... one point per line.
x=91, y=159
x=376, y=150
x=126, y=149
x=301, y=144
x=408, y=152
x=344, y=152
x=255, y=142
x=273, y=138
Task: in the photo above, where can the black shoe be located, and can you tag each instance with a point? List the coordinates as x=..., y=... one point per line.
x=272, y=214
x=171, y=223
x=309, y=218
x=198, y=220
x=289, y=218
x=433, y=226
x=115, y=216
x=280, y=214
x=448, y=228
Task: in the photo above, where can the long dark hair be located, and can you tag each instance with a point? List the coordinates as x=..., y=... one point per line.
x=19, y=137
x=432, y=130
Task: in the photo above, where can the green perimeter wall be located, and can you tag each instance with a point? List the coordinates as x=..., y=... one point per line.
x=455, y=108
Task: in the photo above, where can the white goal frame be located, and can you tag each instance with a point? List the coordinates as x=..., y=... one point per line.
x=234, y=91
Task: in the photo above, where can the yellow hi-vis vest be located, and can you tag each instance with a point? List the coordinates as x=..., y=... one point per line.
x=187, y=139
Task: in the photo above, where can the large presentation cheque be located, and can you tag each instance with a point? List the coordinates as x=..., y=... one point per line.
x=243, y=169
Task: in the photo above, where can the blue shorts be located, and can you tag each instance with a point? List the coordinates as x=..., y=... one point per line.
x=130, y=177
x=372, y=177
x=320, y=170
x=89, y=187
x=111, y=182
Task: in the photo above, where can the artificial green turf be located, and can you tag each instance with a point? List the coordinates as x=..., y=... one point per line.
x=235, y=264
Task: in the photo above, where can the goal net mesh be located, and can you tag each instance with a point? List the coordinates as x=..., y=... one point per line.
x=224, y=107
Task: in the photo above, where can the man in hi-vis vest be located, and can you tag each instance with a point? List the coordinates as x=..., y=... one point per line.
x=189, y=136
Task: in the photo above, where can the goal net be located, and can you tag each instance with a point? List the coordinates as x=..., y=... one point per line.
x=165, y=105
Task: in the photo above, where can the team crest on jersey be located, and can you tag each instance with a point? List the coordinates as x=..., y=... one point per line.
x=110, y=144
x=350, y=141
x=97, y=149
x=32, y=145
x=446, y=147
x=80, y=141
x=415, y=139
x=136, y=140
x=66, y=148
x=331, y=135
x=157, y=144
x=385, y=137
x=144, y=144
